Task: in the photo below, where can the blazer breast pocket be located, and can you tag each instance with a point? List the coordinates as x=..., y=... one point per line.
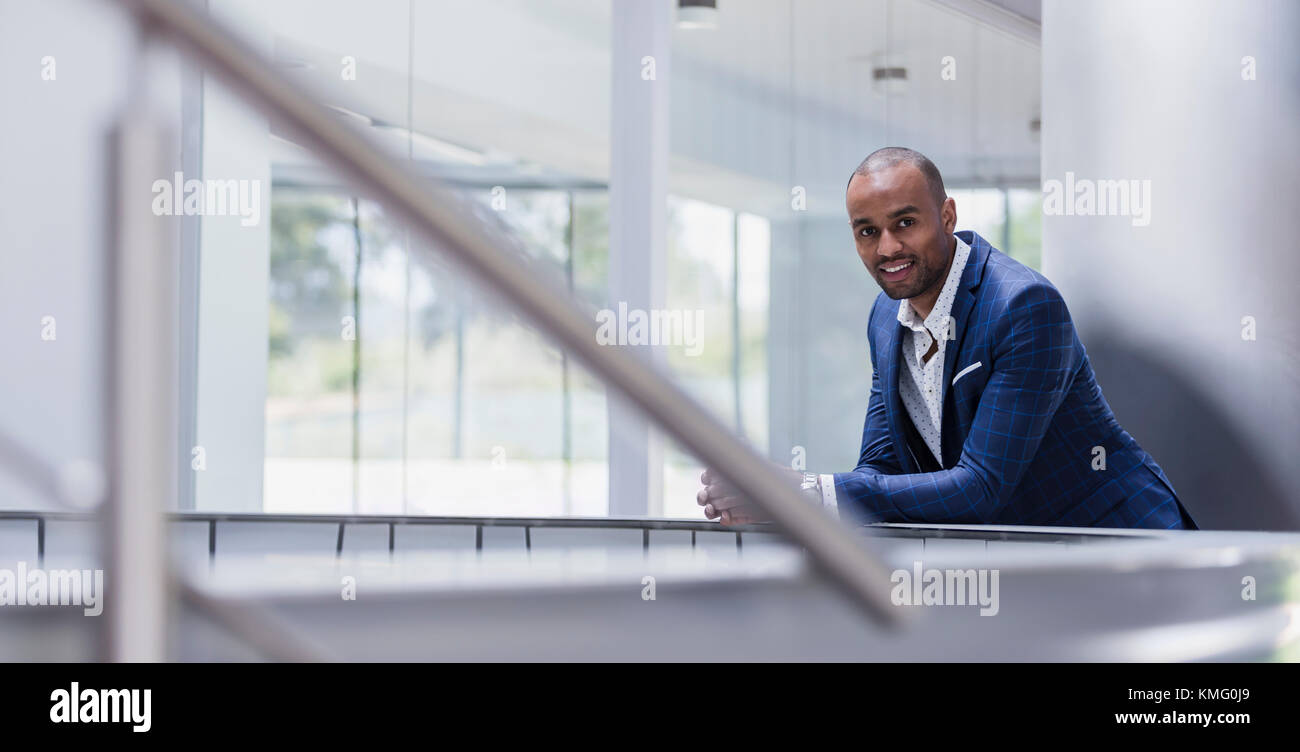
x=965, y=389
x=972, y=368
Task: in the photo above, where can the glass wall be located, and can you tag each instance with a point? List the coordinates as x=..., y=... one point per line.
x=389, y=383
x=1009, y=218
x=311, y=385
x=774, y=105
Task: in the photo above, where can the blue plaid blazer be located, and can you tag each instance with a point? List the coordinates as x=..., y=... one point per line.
x=1023, y=417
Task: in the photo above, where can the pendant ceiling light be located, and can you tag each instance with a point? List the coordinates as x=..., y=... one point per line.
x=697, y=14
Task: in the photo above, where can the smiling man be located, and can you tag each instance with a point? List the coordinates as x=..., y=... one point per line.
x=984, y=408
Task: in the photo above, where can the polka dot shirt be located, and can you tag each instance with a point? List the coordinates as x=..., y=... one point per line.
x=920, y=384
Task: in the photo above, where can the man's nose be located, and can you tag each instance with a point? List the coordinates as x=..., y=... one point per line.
x=889, y=246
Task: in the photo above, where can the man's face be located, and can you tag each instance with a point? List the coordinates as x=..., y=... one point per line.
x=896, y=222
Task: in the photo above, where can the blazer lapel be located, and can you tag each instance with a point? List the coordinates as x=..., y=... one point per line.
x=964, y=302
x=890, y=358
x=962, y=305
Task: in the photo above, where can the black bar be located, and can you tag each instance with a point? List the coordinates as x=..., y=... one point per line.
x=242, y=702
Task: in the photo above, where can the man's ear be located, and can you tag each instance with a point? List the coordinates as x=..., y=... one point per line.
x=949, y=215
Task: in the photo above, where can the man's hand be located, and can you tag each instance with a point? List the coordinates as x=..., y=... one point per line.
x=721, y=499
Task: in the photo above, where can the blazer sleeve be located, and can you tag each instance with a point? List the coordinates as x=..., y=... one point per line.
x=877, y=455
x=1034, y=363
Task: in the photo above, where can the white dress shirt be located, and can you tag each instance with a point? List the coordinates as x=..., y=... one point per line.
x=920, y=384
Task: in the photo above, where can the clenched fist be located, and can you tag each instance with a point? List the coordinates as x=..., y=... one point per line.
x=721, y=499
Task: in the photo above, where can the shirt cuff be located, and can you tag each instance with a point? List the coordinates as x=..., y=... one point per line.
x=827, y=484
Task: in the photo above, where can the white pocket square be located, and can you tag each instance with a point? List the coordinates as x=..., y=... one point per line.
x=965, y=371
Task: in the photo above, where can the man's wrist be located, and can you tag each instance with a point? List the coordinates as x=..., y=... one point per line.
x=820, y=489
x=826, y=483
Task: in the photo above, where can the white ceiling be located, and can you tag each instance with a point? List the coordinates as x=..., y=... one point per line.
x=779, y=94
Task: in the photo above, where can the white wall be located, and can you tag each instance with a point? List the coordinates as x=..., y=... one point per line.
x=233, y=296
x=54, y=210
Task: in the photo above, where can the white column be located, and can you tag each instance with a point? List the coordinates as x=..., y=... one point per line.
x=234, y=269
x=641, y=48
x=1197, y=101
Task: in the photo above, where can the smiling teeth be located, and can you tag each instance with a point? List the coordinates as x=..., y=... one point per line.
x=900, y=267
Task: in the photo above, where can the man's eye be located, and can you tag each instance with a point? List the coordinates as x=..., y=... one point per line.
x=866, y=231
x=906, y=222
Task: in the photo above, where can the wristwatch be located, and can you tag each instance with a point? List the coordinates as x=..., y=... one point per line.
x=811, y=486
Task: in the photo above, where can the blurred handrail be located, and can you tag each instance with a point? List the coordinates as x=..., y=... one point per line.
x=445, y=220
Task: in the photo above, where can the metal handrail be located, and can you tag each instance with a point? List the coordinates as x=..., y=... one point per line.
x=445, y=220
x=912, y=530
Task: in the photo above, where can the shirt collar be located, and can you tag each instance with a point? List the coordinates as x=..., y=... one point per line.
x=907, y=315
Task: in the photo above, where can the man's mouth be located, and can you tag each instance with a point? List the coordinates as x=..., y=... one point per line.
x=895, y=272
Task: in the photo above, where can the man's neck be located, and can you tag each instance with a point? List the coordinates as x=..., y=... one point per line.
x=924, y=303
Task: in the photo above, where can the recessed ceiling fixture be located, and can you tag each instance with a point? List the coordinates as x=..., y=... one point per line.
x=365, y=119
x=697, y=14
x=295, y=63
x=889, y=79
x=429, y=147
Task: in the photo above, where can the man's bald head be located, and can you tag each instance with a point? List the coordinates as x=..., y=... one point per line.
x=892, y=156
x=902, y=219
